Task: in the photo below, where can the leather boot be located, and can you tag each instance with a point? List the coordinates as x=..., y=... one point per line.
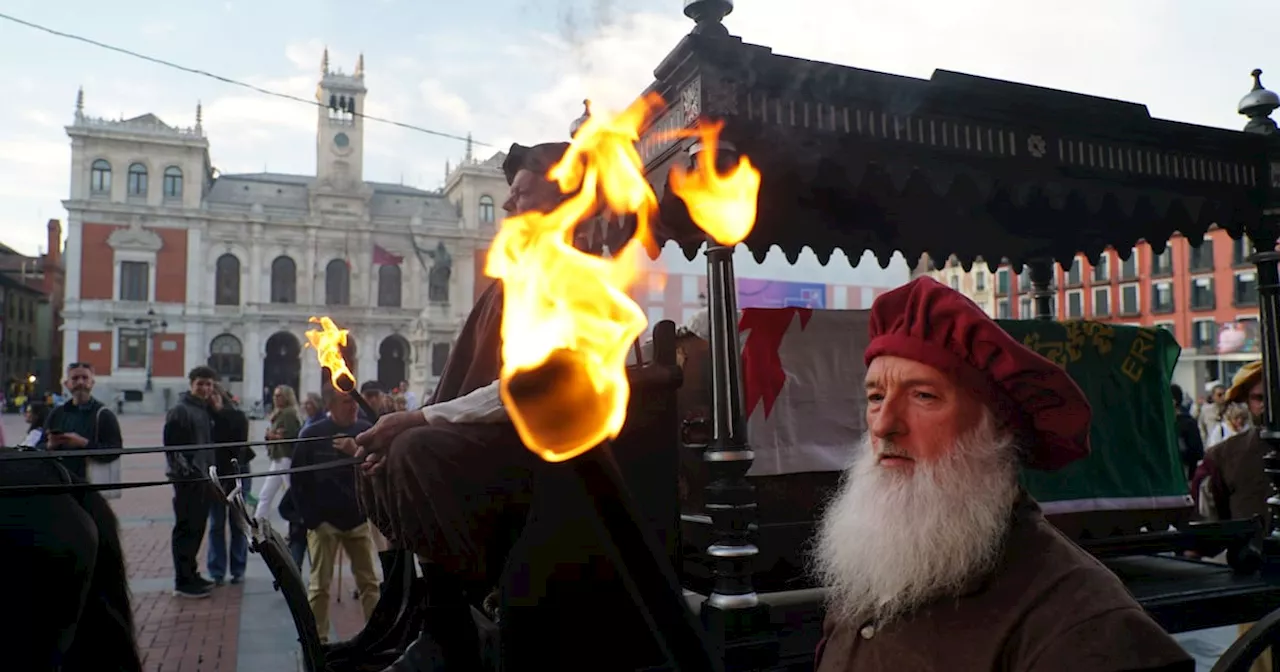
x=394, y=605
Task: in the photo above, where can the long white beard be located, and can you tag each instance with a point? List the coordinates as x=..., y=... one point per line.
x=893, y=540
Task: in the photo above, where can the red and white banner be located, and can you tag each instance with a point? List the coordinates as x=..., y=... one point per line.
x=803, y=387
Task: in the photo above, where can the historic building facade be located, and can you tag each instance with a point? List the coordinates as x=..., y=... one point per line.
x=171, y=264
x=1207, y=296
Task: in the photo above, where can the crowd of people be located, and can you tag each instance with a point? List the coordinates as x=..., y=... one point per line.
x=320, y=507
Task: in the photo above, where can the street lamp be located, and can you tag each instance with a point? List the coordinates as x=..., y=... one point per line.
x=151, y=324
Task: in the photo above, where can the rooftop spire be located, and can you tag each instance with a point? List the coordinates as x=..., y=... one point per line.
x=199, y=116
x=324, y=62
x=468, y=159
x=360, y=67
x=80, y=103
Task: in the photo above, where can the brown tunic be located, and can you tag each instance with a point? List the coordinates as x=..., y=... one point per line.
x=1049, y=607
x=451, y=492
x=1238, y=482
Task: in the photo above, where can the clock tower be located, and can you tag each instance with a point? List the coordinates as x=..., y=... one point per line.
x=340, y=127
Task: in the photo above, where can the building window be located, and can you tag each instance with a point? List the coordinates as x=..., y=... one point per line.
x=1162, y=264
x=980, y=281
x=1102, y=302
x=1129, y=267
x=133, y=349
x=1201, y=258
x=1202, y=296
x=1075, y=304
x=1073, y=273
x=389, y=286
x=100, y=177
x=1240, y=251
x=1204, y=334
x=226, y=356
x=1102, y=269
x=137, y=180
x=226, y=281
x=173, y=182
x=1003, y=311
x=1002, y=281
x=135, y=281
x=284, y=280
x=1024, y=309
x=337, y=283
x=486, y=210
x=1162, y=297
x=1167, y=326
x=955, y=282
x=439, y=357
x=1024, y=279
x=1130, y=301
x=1246, y=289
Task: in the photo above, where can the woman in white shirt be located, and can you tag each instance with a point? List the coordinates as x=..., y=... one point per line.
x=35, y=414
x=1234, y=420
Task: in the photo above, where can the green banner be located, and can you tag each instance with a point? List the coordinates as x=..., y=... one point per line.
x=1125, y=372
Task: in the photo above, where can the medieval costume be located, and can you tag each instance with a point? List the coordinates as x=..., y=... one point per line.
x=456, y=490
x=1037, y=601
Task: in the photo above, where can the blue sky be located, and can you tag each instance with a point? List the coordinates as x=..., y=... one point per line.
x=517, y=69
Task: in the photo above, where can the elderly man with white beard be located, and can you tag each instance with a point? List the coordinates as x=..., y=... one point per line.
x=934, y=556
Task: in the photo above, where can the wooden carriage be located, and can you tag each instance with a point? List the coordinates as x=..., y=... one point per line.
x=860, y=161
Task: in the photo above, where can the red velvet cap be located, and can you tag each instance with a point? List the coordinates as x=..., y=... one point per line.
x=930, y=323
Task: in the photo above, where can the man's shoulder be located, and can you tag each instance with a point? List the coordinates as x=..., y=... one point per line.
x=1065, y=598
x=316, y=429
x=1235, y=443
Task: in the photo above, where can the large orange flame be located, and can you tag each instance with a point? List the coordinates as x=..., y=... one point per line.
x=568, y=322
x=328, y=342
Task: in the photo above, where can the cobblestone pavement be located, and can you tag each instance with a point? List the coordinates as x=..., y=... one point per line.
x=245, y=627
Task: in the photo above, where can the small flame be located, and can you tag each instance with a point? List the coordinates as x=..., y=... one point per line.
x=328, y=342
x=724, y=206
x=568, y=322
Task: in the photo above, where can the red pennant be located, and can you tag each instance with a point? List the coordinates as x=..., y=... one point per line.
x=762, y=374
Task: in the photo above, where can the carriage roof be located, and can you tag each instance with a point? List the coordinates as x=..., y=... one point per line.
x=960, y=165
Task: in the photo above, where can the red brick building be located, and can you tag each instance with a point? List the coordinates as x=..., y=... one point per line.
x=1206, y=296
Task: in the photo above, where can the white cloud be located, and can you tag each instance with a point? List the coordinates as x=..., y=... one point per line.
x=452, y=106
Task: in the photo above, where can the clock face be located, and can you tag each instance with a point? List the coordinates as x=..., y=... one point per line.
x=341, y=140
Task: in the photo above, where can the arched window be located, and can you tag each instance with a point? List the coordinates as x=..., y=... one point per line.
x=226, y=356
x=284, y=280
x=226, y=281
x=389, y=286
x=137, y=180
x=173, y=182
x=486, y=210
x=100, y=177
x=337, y=283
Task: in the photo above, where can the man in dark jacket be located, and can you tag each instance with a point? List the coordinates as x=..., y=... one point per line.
x=1190, y=445
x=230, y=425
x=81, y=423
x=190, y=423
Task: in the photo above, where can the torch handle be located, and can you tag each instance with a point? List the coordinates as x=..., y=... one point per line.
x=649, y=578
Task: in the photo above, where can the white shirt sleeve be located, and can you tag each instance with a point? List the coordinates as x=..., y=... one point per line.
x=483, y=405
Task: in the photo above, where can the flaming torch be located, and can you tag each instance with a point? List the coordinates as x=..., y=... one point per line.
x=568, y=323
x=328, y=342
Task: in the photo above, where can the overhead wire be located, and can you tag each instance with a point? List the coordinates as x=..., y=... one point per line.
x=229, y=80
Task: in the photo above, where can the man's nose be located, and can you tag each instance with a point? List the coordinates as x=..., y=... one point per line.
x=885, y=422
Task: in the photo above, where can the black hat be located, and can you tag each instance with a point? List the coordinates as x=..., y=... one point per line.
x=538, y=158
